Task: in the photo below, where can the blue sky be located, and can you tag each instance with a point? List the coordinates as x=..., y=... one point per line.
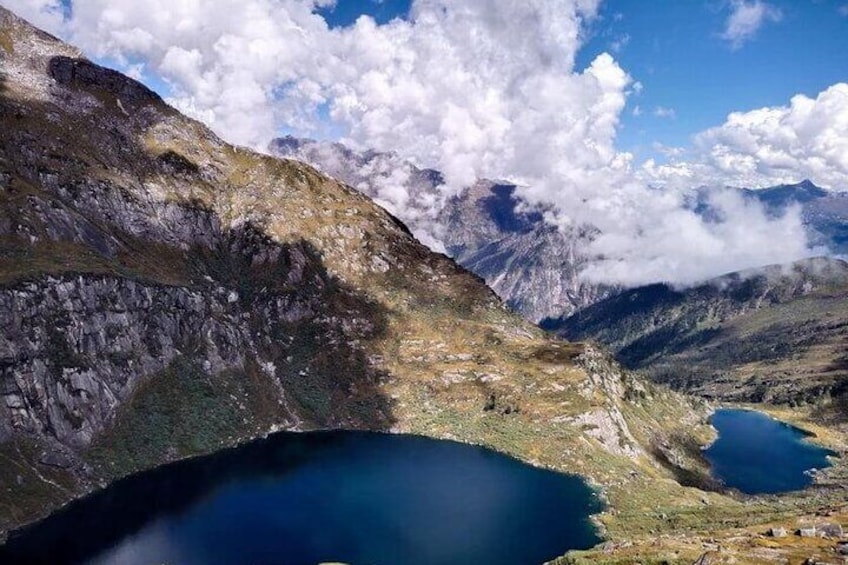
x=675, y=50
x=345, y=12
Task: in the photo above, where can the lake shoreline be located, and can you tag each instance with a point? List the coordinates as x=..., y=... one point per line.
x=757, y=454
x=491, y=478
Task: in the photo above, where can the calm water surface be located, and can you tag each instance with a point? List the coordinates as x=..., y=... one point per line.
x=757, y=454
x=308, y=498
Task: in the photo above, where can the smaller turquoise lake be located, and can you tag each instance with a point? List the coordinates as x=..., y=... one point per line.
x=756, y=454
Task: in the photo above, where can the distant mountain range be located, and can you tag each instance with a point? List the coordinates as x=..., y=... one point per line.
x=825, y=212
x=530, y=264
x=776, y=334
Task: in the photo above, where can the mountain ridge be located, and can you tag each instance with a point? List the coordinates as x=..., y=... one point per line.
x=773, y=334
x=532, y=266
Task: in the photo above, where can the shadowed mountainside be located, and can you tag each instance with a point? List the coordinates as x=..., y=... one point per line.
x=774, y=335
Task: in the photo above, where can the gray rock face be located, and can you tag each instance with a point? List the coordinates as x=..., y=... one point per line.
x=77, y=72
x=74, y=348
x=110, y=270
x=532, y=266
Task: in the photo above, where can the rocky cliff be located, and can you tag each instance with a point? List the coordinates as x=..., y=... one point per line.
x=164, y=294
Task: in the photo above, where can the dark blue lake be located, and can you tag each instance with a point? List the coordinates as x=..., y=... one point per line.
x=756, y=454
x=351, y=497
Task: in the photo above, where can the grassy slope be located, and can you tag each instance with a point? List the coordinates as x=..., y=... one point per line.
x=183, y=412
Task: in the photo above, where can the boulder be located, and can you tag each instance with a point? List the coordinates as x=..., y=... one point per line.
x=807, y=532
x=831, y=531
x=777, y=532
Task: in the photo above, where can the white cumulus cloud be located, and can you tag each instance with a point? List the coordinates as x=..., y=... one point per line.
x=684, y=248
x=46, y=14
x=806, y=139
x=746, y=18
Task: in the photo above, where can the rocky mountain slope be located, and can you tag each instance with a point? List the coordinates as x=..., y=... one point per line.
x=774, y=335
x=532, y=266
x=164, y=294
